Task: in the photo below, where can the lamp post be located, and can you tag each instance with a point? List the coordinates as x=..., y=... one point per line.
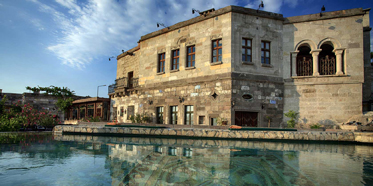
x=97, y=88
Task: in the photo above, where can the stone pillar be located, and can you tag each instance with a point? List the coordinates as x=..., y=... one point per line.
x=315, y=57
x=338, y=53
x=294, y=63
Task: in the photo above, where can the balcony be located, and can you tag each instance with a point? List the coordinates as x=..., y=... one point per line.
x=121, y=82
x=111, y=89
x=133, y=82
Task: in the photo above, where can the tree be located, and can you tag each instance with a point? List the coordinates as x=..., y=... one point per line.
x=63, y=94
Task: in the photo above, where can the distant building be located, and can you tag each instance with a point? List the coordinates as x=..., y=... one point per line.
x=38, y=101
x=249, y=67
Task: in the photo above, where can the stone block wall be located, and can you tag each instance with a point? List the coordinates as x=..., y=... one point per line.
x=323, y=103
x=328, y=99
x=195, y=91
x=267, y=97
x=128, y=63
x=257, y=29
x=200, y=34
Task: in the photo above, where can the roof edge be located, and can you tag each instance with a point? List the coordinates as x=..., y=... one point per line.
x=231, y=8
x=128, y=52
x=325, y=15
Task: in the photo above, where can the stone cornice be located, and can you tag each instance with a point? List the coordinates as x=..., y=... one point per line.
x=325, y=15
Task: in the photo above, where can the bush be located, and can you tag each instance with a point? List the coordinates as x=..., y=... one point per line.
x=140, y=118
x=92, y=119
x=292, y=115
x=11, y=123
x=316, y=126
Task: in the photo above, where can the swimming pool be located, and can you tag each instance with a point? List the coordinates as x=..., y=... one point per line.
x=44, y=159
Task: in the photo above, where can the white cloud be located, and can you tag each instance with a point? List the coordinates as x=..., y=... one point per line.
x=99, y=28
x=103, y=28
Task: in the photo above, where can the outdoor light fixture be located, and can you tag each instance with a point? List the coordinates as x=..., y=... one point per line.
x=261, y=5
x=111, y=57
x=161, y=24
x=97, y=88
x=322, y=10
x=194, y=11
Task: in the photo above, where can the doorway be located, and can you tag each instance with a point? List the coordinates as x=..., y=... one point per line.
x=246, y=119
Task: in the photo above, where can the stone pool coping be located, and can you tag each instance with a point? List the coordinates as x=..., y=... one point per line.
x=361, y=137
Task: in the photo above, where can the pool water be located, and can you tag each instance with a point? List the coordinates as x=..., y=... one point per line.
x=44, y=159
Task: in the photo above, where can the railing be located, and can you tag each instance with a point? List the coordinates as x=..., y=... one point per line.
x=304, y=67
x=111, y=89
x=133, y=82
x=327, y=65
x=121, y=82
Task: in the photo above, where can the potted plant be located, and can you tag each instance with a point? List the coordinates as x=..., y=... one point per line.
x=222, y=121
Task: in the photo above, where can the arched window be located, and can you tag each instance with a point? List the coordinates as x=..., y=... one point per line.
x=327, y=65
x=304, y=61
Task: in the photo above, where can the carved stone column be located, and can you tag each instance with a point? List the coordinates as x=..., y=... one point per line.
x=294, y=63
x=315, y=57
x=338, y=53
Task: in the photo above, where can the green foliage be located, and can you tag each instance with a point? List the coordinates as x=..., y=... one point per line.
x=64, y=104
x=11, y=123
x=221, y=121
x=141, y=118
x=2, y=103
x=292, y=115
x=316, y=126
x=27, y=117
x=63, y=94
x=92, y=119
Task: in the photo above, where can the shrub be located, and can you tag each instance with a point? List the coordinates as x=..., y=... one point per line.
x=292, y=115
x=140, y=118
x=92, y=119
x=316, y=126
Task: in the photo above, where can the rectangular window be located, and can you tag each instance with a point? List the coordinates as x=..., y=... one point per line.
x=82, y=112
x=175, y=59
x=187, y=152
x=174, y=111
x=159, y=115
x=191, y=57
x=91, y=110
x=217, y=48
x=130, y=111
x=266, y=59
x=201, y=120
x=172, y=151
x=246, y=50
x=129, y=147
x=161, y=61
x=158, y=149
x=189, y=115
x=214, y=122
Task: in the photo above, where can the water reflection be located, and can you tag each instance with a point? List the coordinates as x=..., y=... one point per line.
x=92, y=160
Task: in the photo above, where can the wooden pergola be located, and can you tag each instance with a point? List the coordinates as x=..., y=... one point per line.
x=90, y=107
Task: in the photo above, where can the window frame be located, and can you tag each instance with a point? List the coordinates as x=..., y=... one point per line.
x=173, y=113
x=159, y=114
x=175, y=65
x=217, y=50
x=246, y=47
x=189, y=115
x=192, y=53
x=161, y=62
x=264, y=50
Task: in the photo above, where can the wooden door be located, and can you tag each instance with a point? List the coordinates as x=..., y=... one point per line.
x=246, y=119
x=130, y=79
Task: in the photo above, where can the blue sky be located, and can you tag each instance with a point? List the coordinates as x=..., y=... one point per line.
x=67, y=43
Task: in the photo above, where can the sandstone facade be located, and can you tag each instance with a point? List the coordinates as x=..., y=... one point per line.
x=254, y=79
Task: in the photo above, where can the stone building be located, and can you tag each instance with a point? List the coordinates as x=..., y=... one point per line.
x=247, y=67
